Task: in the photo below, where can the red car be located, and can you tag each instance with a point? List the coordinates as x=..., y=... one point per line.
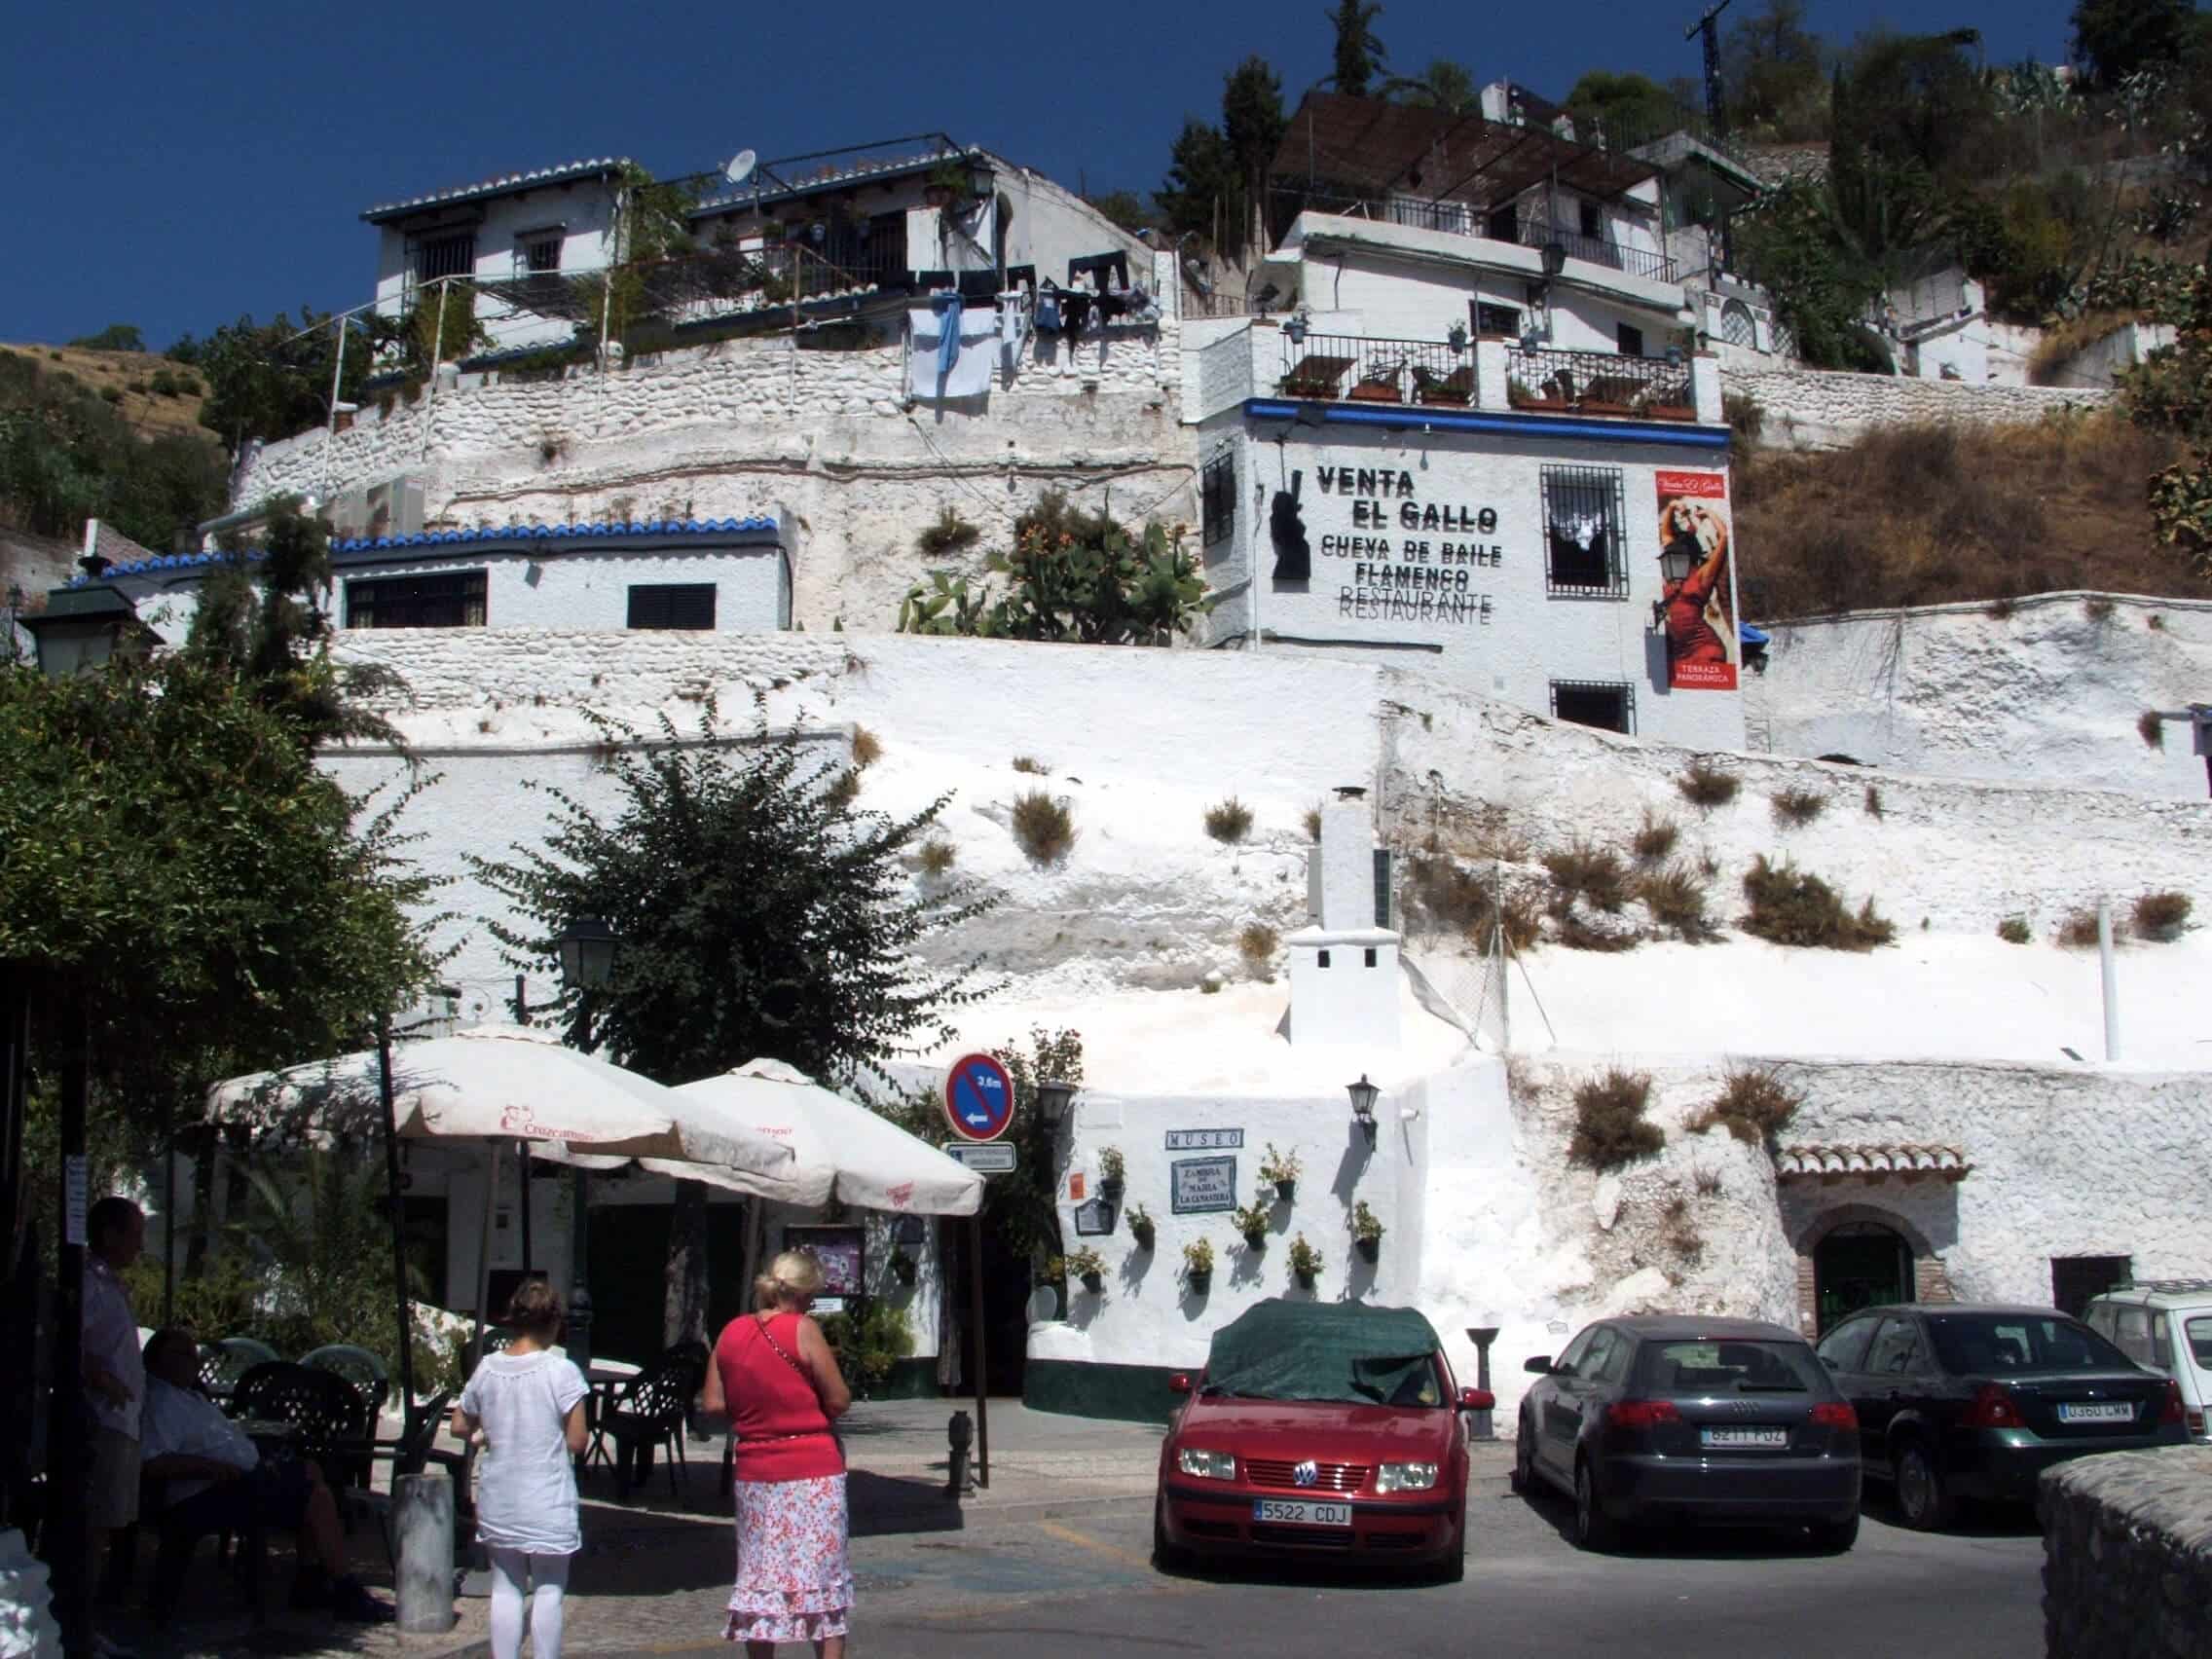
x=1319, y=1429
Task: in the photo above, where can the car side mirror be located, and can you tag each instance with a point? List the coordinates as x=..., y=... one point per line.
x=1477, y=1400
x=1538, y=1365
x=1179, y=1383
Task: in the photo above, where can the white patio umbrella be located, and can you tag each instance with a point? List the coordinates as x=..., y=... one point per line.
x=499, y=1083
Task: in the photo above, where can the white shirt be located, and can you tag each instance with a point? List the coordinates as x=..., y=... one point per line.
x=111, y=1339
x=185, y=1420
x=526, y=1486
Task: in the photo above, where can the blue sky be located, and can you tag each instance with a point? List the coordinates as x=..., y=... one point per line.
x=178, y=165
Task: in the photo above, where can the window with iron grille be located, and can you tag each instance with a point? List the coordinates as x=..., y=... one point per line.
x=1217, y=487
x=1595, y=703
x=448, y=598
x=1496, y=320
x=445, y=256
x=673, y=605
x=1629, y=338
x=1585, y=533
x=537, y=252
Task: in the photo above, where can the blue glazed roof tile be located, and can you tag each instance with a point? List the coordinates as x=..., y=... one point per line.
x=670, y=528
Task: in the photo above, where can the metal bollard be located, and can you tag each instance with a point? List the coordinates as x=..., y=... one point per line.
x=959, y=1434
x=1482, y=1335
x=422, y=1520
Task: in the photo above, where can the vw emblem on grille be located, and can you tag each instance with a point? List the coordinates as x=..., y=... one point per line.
x=1307, y=1473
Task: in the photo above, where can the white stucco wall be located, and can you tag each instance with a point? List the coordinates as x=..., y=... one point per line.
x=1495, y=627
x=1821, y=409
x=568, y=590
x=2050, y=692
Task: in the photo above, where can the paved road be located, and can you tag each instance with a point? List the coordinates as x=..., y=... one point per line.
x=1086, y=1583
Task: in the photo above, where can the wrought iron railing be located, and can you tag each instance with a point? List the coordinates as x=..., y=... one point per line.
x=1535, y=231
x=1342, y=368
x=1526, y=225
x=1598, y=383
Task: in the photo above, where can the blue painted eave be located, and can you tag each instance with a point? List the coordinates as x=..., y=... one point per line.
x=1406, y=417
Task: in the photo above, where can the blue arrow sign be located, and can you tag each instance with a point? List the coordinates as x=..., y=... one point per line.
x=978, y=1098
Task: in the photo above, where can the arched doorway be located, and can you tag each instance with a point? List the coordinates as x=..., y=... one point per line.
x=1860, y=1263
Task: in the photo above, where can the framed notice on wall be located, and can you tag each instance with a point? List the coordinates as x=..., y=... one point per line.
x=1200, y=1185
x=841, y=1251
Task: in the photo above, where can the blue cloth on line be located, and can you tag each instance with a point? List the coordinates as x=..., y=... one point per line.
x=948, y=341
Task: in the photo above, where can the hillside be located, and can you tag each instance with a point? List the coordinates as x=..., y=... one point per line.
x=131, y=375
x=1937, y=515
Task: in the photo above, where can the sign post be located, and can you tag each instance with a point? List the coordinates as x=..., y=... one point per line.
x=978, y=1104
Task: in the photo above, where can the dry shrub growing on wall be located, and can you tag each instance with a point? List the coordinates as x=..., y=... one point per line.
x=1228, y=821
x=845, y=789
x=2013, y=930
x=868, y=748
x=1790, y=907
x=937, y=857
x=1794, y=808
x=2150, y=728
x=1043, y=827
x=1610, y=1128
x=1030, y=767
x=1931, y=515
x=1676, y=897
x=2078, y=930
x=1256, y=942
x=1313, y=824
x=1594, y=874
x=1654, y=839
x=1706, y=786
x=1444, y=896
x=2162, y=915
x=1873, y=801
x=949, y=534
x=1755, y=1105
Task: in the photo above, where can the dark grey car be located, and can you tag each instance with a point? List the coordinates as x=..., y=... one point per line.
x=1682, y=1418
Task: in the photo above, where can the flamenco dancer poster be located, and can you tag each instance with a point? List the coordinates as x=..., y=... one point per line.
x=1697, y=589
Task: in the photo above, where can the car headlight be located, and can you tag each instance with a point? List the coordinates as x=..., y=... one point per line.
x=1206, y=1465
x=1405, y=1477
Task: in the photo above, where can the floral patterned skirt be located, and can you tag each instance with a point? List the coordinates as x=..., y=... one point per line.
x=795, y=1581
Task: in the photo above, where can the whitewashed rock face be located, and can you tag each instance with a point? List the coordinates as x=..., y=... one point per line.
x=2127, y=1554
x=2049, y=693
x=1817, y=409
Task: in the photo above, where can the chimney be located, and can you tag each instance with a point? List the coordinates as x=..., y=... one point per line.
x=1343, y=966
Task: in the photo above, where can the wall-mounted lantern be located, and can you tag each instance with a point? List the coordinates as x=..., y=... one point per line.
x=1053, y=1099
x=83, y=627
x=1364, y=1095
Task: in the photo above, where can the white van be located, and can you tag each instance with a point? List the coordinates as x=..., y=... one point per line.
x=2165, y=1324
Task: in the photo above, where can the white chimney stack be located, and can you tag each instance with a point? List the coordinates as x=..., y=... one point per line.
x=1344, y=965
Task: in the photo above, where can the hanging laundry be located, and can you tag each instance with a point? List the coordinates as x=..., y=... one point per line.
x=974, y=333
x=1075, y=314
x=1110, y=269
x=948, y=312
x=1048, y=312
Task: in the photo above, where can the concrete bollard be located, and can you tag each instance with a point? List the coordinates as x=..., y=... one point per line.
x=422, y=1520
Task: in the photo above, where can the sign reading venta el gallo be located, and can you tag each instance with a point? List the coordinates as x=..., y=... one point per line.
x=1396, y=553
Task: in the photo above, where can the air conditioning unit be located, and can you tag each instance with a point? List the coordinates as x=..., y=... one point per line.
x=394, y=507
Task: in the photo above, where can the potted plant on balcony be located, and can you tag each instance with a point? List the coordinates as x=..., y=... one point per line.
x=949, y=184
x=1366, y=1232
x=1281, y=1168
x=1111, y=1168
x=1087, y=1265
x=1142, y=1229
x=1522, y=395
x=1306, y=1262
x=1252, y=1222
x=1197, y=1265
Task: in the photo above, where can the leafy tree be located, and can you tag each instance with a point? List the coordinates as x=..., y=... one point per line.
x=65, y=455
x=1625, y=108
x=1252, y=126
x=1202, y=192
x=2114, y=38
x=1823, y=283
x=273, y=380
x=115, y=337
x=1444, y=85
x=1359, y=50
x=762, y=913
x=1771, y=72
x=1076, y=576
x=1127, y=209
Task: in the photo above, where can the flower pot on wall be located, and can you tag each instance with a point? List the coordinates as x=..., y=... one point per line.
x=1255, y=1242
x=1285, y=1191
x=1110, y=1189
x=1305, y=1281
x=1201, y=1282
x=1368, y=1248
x=1095, y=1284
x=1141, y=1235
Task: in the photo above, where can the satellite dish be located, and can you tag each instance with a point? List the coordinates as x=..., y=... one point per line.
x=740, y=166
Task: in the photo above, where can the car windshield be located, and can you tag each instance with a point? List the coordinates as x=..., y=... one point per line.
x=1741, y=1367
x=1983, y=1344
x=2199, y=1329
x=1347, y=1353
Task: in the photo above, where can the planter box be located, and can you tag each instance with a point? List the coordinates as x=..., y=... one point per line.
x=1540, y=405
x=1371, y=394
x=1672, y=412
x=1598, y=406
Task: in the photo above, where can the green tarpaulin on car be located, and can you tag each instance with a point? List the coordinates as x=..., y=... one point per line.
x=1344, y=1351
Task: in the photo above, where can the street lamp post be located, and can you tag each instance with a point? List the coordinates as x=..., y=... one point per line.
x=587, y=947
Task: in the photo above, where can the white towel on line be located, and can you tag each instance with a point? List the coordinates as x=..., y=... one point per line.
x=971, y=374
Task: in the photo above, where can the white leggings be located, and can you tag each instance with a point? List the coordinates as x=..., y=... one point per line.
x=548, y=1576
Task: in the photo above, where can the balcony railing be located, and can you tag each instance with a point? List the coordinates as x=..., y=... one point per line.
x=1340, y=368
x=1598, y=382
x=1525, y=228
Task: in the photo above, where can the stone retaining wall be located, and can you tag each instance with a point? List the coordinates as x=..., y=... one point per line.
x=2127, y=1555
x=1817, y=409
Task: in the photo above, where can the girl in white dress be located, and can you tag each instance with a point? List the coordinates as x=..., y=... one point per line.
x=529, y=1405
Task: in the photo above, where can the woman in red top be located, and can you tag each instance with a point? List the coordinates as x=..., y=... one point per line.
x=776, y=1379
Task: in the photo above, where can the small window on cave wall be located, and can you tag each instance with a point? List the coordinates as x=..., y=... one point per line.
x=1595, y=703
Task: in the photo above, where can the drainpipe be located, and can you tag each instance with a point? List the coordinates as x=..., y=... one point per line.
x=2106, y=974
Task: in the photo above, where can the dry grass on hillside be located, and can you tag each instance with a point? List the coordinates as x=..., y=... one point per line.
x=150, y=412
x=1927, y=515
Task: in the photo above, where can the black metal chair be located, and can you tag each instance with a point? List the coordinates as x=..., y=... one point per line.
x=411, y=1454
x=175, y=1542
x=330, y=1419
x=222, y=1363
x=359, y=1367
x=653, y=1412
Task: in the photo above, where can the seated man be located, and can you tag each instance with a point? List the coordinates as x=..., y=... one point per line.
x=213, y=1479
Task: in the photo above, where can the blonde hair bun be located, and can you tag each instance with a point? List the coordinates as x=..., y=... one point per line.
x=793, y=1275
